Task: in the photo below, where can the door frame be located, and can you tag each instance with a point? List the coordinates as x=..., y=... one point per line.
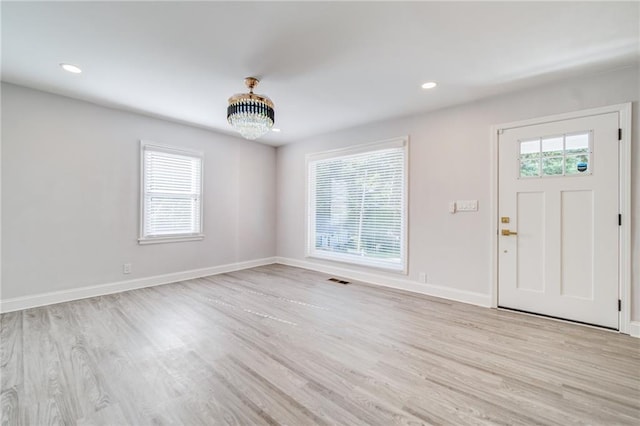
x=624, y=197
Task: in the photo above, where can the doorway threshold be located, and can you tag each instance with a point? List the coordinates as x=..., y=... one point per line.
x=520, y=311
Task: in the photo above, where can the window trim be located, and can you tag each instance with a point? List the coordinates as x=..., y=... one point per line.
x=142, y=239
x=310, y=250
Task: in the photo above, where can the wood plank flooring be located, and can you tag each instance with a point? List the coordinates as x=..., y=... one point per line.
x=280, y=345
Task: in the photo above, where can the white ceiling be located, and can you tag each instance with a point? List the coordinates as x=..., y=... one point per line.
x=325, y=65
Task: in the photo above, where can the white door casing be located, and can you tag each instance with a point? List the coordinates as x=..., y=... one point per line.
x=564, y=260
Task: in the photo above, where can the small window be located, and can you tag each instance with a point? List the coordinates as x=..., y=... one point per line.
x=171, y=194
x=562, y=155
x=357, y=205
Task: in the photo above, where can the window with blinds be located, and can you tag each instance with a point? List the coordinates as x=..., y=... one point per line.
x=171, y=194
x=357, y=205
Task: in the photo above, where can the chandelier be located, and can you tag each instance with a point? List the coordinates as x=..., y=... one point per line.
x=250, y=115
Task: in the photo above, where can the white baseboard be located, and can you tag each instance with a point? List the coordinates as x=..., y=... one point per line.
x=26, y=302
x=480, y=299
x=470, y=297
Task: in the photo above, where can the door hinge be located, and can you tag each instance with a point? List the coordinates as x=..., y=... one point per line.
x=619, y=305
x=619, y=220
x=619, y=134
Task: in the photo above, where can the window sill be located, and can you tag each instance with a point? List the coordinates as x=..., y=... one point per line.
x=172, y=239
x=359, y=261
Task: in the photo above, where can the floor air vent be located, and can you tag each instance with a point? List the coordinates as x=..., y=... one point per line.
x=336, y=280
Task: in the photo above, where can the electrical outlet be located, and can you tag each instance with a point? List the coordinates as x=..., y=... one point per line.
x=126, y=268
x=423, y=277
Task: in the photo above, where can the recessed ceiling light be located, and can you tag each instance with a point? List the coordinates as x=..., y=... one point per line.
x=275, y=130
x=71, y=68
x=429, y=85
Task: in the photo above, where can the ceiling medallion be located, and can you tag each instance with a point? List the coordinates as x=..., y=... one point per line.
x=250, y=115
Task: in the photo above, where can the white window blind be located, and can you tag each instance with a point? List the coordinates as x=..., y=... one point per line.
x=357, y=205
x=171, y=194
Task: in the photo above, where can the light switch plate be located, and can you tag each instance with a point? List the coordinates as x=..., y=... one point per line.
x=467, y=205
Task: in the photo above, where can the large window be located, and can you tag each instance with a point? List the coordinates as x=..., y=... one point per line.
x=171, y=194
x=357, y=205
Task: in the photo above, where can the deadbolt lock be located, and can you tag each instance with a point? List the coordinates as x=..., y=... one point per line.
x=504, y=219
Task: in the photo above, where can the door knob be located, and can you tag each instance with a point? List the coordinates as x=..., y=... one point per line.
x=507, y=232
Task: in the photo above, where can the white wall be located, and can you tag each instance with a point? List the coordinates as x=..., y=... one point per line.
x=70, y=195
x=450, y=160
x=70, y=188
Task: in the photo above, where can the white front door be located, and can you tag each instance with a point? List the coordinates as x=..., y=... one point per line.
x=558, y=219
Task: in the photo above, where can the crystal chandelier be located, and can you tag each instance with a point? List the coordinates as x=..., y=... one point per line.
x=250, y=115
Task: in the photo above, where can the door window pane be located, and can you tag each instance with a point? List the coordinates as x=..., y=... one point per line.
x=576, y=164
x=577, y=144
x=552, y=147
x=552, y=166
x=530, y=149
x=529, y=168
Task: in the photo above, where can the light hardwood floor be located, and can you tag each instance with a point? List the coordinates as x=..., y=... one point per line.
x=281, y=345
